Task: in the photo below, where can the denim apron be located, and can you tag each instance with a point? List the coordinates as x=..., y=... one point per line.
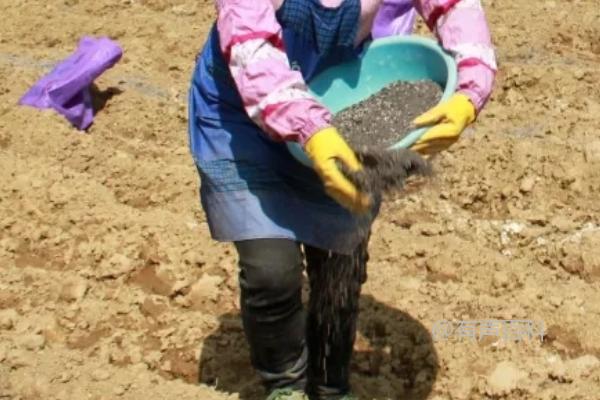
x=251, y=186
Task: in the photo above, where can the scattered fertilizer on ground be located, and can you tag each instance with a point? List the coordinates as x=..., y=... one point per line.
x=386, y=117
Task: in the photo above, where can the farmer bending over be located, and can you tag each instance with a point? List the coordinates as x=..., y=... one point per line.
x=248, y=98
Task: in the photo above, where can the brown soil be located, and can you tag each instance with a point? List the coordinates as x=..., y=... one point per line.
x=110, y=286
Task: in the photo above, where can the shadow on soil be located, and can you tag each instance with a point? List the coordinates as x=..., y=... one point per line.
x=395, y=357
x=101, y=97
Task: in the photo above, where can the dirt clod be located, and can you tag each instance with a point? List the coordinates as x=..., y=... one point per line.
x=504, y=379
x=74, y=290
x=100, y=375
x=32, y=342
x=8, y=318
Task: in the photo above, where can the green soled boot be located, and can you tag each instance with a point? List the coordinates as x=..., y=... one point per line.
x=341, y=397
x=287, y=394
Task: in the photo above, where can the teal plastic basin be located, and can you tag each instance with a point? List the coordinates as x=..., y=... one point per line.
x=388, y=60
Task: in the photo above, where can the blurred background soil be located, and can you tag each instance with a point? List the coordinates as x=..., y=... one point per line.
x=110, y=286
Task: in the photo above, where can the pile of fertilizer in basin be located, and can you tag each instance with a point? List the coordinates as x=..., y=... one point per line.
x=383, y=119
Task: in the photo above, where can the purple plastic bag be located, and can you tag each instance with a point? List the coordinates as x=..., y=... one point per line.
x=67, y=88
x=395, y=17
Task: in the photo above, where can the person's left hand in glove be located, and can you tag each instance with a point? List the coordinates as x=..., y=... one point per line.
x=449, y=120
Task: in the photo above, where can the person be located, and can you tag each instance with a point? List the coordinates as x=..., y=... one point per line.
x=248, y=97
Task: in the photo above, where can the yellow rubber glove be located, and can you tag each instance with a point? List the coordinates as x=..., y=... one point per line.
x=450, y=119
x=326, y=147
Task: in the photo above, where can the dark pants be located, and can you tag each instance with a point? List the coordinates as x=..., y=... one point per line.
x=289, y=347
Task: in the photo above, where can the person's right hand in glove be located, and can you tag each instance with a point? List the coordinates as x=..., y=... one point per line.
x=326, y=147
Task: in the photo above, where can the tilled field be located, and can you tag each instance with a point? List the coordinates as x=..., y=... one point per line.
x=110, y=286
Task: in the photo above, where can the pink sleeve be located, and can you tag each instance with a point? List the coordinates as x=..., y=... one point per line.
x=463, y=30
x=274, y=95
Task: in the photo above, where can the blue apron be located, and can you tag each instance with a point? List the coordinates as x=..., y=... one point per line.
x=251, y=186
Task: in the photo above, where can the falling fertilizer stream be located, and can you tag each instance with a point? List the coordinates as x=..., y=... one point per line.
x=370, y=127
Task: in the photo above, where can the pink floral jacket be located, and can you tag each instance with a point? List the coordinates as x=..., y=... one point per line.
x=276, y=97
